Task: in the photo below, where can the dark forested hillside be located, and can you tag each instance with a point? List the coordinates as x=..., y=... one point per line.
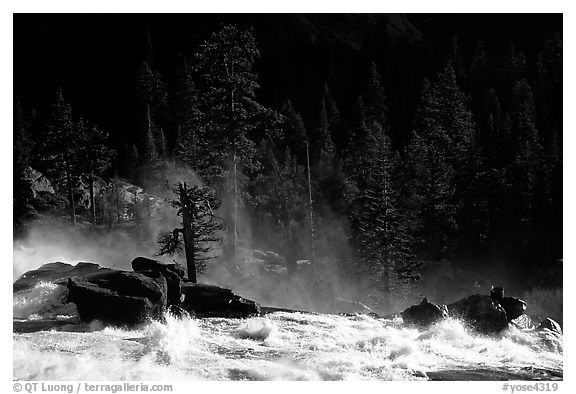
x=370, y=146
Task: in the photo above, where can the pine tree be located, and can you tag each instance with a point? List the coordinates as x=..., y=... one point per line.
x=479, y=78
x=512, y=69
x=113, y=201
x=153, y=110
x=428, y=188
x=328, y=187
x=527, y=148
x=232, y=117
x=427, y=122
x=549, y=89
x=200, y=228
x=60, y=150
x=94, y=157
x=189, y=148
x=456, y=60
x=453, y=116
x=225, y=62
x=280, y=195
x=333, y=117
x=325, y=149
x=22, y=151
x=294, y=203
x=381, y=233
x=295, y=131
x=491, y=139
x=374, y=99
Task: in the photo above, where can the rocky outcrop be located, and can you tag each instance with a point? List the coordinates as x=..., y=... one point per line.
x=52, y=272
x=118, y=297
x=513, y=306
x=213, y=301
x=550, y=324
x=38, y=182
x=173, y=273
x=484, y=314
x=424, y=314
x=481, y=312
x=126, y=298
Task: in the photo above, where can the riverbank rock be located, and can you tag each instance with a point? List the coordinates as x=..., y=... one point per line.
x=213, y=301
x=126, y=298
x=550, y=324
x=52, y=272
x=173, y=273
x=118, y=298
x=513, y=306
x=481, y=312
x=424, y=314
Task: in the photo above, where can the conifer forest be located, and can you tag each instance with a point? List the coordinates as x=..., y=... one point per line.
x=307, y=159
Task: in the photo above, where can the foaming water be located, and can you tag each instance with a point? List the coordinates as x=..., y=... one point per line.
x=44, y=300
x=282, y=346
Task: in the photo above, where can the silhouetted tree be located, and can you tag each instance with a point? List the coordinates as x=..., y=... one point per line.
x=200, y=228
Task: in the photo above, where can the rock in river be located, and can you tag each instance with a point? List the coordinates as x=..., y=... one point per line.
x=119, y=297
x=51, y=272
x=173, y=273
x=213, y=301
x=550, y=325
x=481, y=312
x=424, y=314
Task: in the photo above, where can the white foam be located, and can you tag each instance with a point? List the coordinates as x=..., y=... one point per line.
x=44, y=300
x=255, y=328
x=300, y=347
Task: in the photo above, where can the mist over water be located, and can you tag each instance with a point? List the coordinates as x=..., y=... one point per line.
x=50, y=239
x=282, y=346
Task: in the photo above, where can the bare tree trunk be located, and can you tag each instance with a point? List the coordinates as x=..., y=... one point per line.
x=71, y=195
x=311, y=209
x=187, y=213
x=386, y=279
x=118, y=213
x=235, y=179
x=92, y=200
x=386, y=275
x=235, y=211
x=290, y=255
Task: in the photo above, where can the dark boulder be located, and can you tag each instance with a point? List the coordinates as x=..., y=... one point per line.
x=550, y=325
x=481, y=312
x=118, y=297
x=173, y=273
x=497, y=293
x=145, y=264
x=514, y=307
x=213, y=301
x=424, y=314
x=53, y=272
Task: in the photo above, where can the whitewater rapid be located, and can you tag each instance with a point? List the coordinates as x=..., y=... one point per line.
x=280, y=346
